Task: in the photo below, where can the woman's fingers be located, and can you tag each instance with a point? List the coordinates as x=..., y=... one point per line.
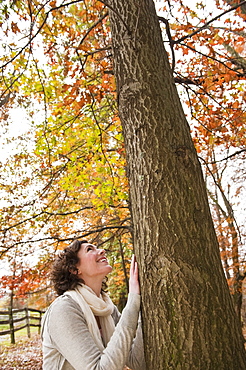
x=133, y=264
x=134, y=282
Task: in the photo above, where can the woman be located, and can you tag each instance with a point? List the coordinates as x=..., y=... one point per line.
x=82, y=329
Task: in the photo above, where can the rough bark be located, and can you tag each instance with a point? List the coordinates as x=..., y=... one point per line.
x=188, y=317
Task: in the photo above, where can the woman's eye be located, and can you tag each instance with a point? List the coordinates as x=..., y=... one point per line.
x=89, y=249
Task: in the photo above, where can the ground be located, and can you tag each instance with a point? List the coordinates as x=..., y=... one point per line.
x=26, y=354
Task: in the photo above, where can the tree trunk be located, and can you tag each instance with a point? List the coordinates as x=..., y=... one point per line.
x=188, y=318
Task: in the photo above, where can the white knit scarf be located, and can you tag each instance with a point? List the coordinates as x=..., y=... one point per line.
x=92, y=306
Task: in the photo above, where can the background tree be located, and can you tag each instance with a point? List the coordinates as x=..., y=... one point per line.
x=218, y=121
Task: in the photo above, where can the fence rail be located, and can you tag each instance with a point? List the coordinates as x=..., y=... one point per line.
x=29, y=320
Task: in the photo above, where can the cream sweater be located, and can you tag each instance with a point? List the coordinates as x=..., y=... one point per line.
x=68, y=344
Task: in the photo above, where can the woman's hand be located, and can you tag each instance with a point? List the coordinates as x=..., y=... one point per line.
x=133, y=281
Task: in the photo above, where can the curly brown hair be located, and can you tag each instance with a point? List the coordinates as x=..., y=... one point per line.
x=64, y=274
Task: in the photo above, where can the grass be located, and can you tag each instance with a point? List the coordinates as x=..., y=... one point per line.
x=5, y=340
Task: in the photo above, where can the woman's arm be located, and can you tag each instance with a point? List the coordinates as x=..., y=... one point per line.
x=136, y=359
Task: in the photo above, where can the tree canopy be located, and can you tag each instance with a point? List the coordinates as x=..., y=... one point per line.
x=65, y=176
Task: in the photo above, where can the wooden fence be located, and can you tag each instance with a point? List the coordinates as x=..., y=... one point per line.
x=16, y=316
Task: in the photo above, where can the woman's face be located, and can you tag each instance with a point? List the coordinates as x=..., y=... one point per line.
x=92, y=262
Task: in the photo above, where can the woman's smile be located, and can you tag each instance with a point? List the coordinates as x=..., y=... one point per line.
x=102, y=259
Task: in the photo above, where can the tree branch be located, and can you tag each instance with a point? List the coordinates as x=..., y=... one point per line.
x=206, y=24
x=38, y=31
x=58, y=239
x=228, y=157
x=91, y=28
x=171, y=41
